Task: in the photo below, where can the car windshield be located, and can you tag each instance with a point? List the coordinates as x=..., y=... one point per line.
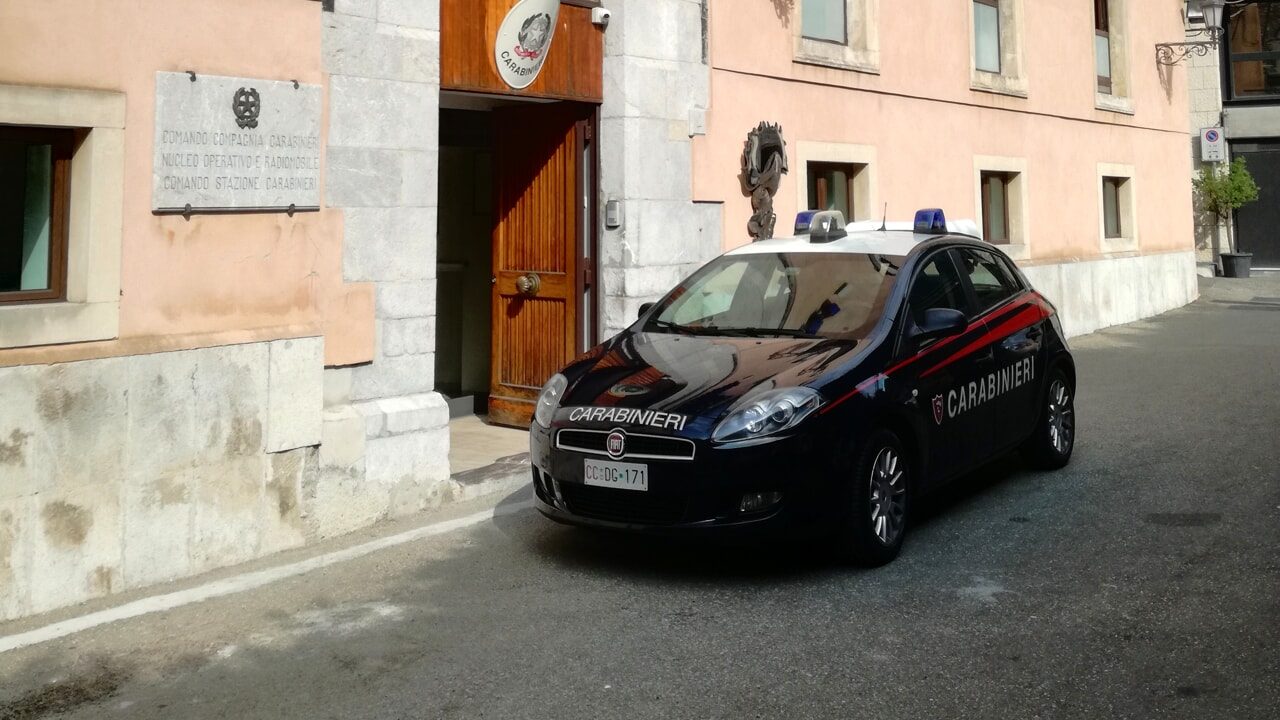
x=810, y=294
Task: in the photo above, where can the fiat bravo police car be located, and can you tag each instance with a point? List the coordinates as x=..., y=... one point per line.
x=822, y=382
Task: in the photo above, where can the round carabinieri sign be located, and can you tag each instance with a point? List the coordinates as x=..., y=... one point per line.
x=524, y=39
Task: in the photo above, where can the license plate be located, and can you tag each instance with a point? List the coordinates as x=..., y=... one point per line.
x=624, y=476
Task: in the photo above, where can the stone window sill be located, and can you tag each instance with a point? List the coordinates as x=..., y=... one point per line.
x=1120, y=245
x=837, y=64
x=1113, y=103
x=834, y=55
x=58, y=323
x=982, y=81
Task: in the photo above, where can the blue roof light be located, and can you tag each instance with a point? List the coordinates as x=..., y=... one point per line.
x=803, y=220
x=930, y=221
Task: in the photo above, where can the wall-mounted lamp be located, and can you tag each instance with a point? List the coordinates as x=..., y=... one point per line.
x=1211, y=11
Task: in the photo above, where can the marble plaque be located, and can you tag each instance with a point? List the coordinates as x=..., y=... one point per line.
x=225, y=144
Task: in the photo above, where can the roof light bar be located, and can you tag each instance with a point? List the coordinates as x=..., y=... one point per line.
x=826, y=226
x=932, y=220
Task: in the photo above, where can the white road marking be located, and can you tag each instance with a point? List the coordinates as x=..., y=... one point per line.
x=248, y=581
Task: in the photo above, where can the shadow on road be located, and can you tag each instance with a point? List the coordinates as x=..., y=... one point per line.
x=706, y=558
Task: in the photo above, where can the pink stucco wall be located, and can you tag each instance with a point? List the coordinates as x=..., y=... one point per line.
x=927, y=125
x=211, y=279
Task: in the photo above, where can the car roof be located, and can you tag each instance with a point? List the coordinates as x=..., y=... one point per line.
x=864, y=238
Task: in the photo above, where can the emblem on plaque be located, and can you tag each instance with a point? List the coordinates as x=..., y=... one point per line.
x=524, y=40
x=533, y=36
x=764, y=162
x=247, y=106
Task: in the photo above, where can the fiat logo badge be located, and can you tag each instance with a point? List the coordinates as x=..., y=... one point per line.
x=616, y=445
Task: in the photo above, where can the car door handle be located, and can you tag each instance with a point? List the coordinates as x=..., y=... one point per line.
x=1034, y=333
x=989, y=355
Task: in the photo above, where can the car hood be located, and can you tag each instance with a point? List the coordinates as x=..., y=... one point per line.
x=698, y=376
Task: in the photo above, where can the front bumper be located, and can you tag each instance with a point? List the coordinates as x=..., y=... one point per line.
x=690, y=496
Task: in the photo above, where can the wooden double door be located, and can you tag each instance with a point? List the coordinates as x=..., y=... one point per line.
x=543, y=249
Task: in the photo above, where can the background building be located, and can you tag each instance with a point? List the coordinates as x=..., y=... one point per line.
x=1250, y=83
x=1204, y=88
x=1048, y=122
x=186, y=390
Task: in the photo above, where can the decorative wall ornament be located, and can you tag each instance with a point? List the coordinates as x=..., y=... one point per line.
x=764, y=162
x=247, y=106
x=524, y=39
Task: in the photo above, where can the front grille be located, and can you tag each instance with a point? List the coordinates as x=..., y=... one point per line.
x=623, y=505
x=652, y=447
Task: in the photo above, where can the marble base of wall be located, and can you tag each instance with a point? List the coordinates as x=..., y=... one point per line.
x=1094, y=294
x=126, y=472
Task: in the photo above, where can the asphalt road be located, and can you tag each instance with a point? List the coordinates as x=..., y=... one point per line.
x=1143, y=581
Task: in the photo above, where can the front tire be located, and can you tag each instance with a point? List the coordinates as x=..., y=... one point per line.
x=875, y=521
x=1054, y=439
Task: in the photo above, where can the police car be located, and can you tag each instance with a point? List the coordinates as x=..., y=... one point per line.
x=819, y=382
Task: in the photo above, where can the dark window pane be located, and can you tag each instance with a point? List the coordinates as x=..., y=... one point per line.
x=1253, y=36
x=26, y=203
x=1101, y=15
x=823, y=20
x=1102, y=59
x=1113, y=226
x=995, y=207
x=831, y=187
x=1256, y=77
x=991, y=283
x=986, y=36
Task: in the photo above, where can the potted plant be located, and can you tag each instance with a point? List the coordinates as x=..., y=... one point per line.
x=1222, y=190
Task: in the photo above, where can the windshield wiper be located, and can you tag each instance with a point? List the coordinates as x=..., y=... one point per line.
x=677, y=327
x=758, y=331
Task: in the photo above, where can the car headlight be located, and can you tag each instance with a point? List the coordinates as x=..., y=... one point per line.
x=772, y=412
x=549, y=399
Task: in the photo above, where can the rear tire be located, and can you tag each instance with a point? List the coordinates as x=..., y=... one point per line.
x=876, y=504
x=1054, y=439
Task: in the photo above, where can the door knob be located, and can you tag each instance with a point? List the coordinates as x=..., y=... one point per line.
x=529, y=284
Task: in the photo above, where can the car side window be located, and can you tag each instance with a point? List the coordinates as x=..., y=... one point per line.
x=937, y=285
x=991, y=283
x=1011, y=273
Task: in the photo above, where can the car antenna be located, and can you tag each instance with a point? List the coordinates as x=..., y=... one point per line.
x=884, y=223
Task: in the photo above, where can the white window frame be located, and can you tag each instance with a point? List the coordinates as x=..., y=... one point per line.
x=865, y=193
x=861, y=51
x=1128, y=196
x=1118, y=100
x=1012, y=78
x=1019, y=245
x=91, y=310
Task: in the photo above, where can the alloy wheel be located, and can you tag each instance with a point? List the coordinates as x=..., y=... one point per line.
x=1062, y=421
x=888, y=496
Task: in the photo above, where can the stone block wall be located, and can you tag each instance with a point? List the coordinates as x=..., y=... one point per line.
x=655, y=99
x=386, y=432
x=125, y=472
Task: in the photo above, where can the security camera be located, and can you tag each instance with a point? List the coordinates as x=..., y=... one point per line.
x=600, y=16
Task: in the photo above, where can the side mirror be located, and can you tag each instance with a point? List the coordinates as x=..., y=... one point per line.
x=939, y=323
x=644, y=309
